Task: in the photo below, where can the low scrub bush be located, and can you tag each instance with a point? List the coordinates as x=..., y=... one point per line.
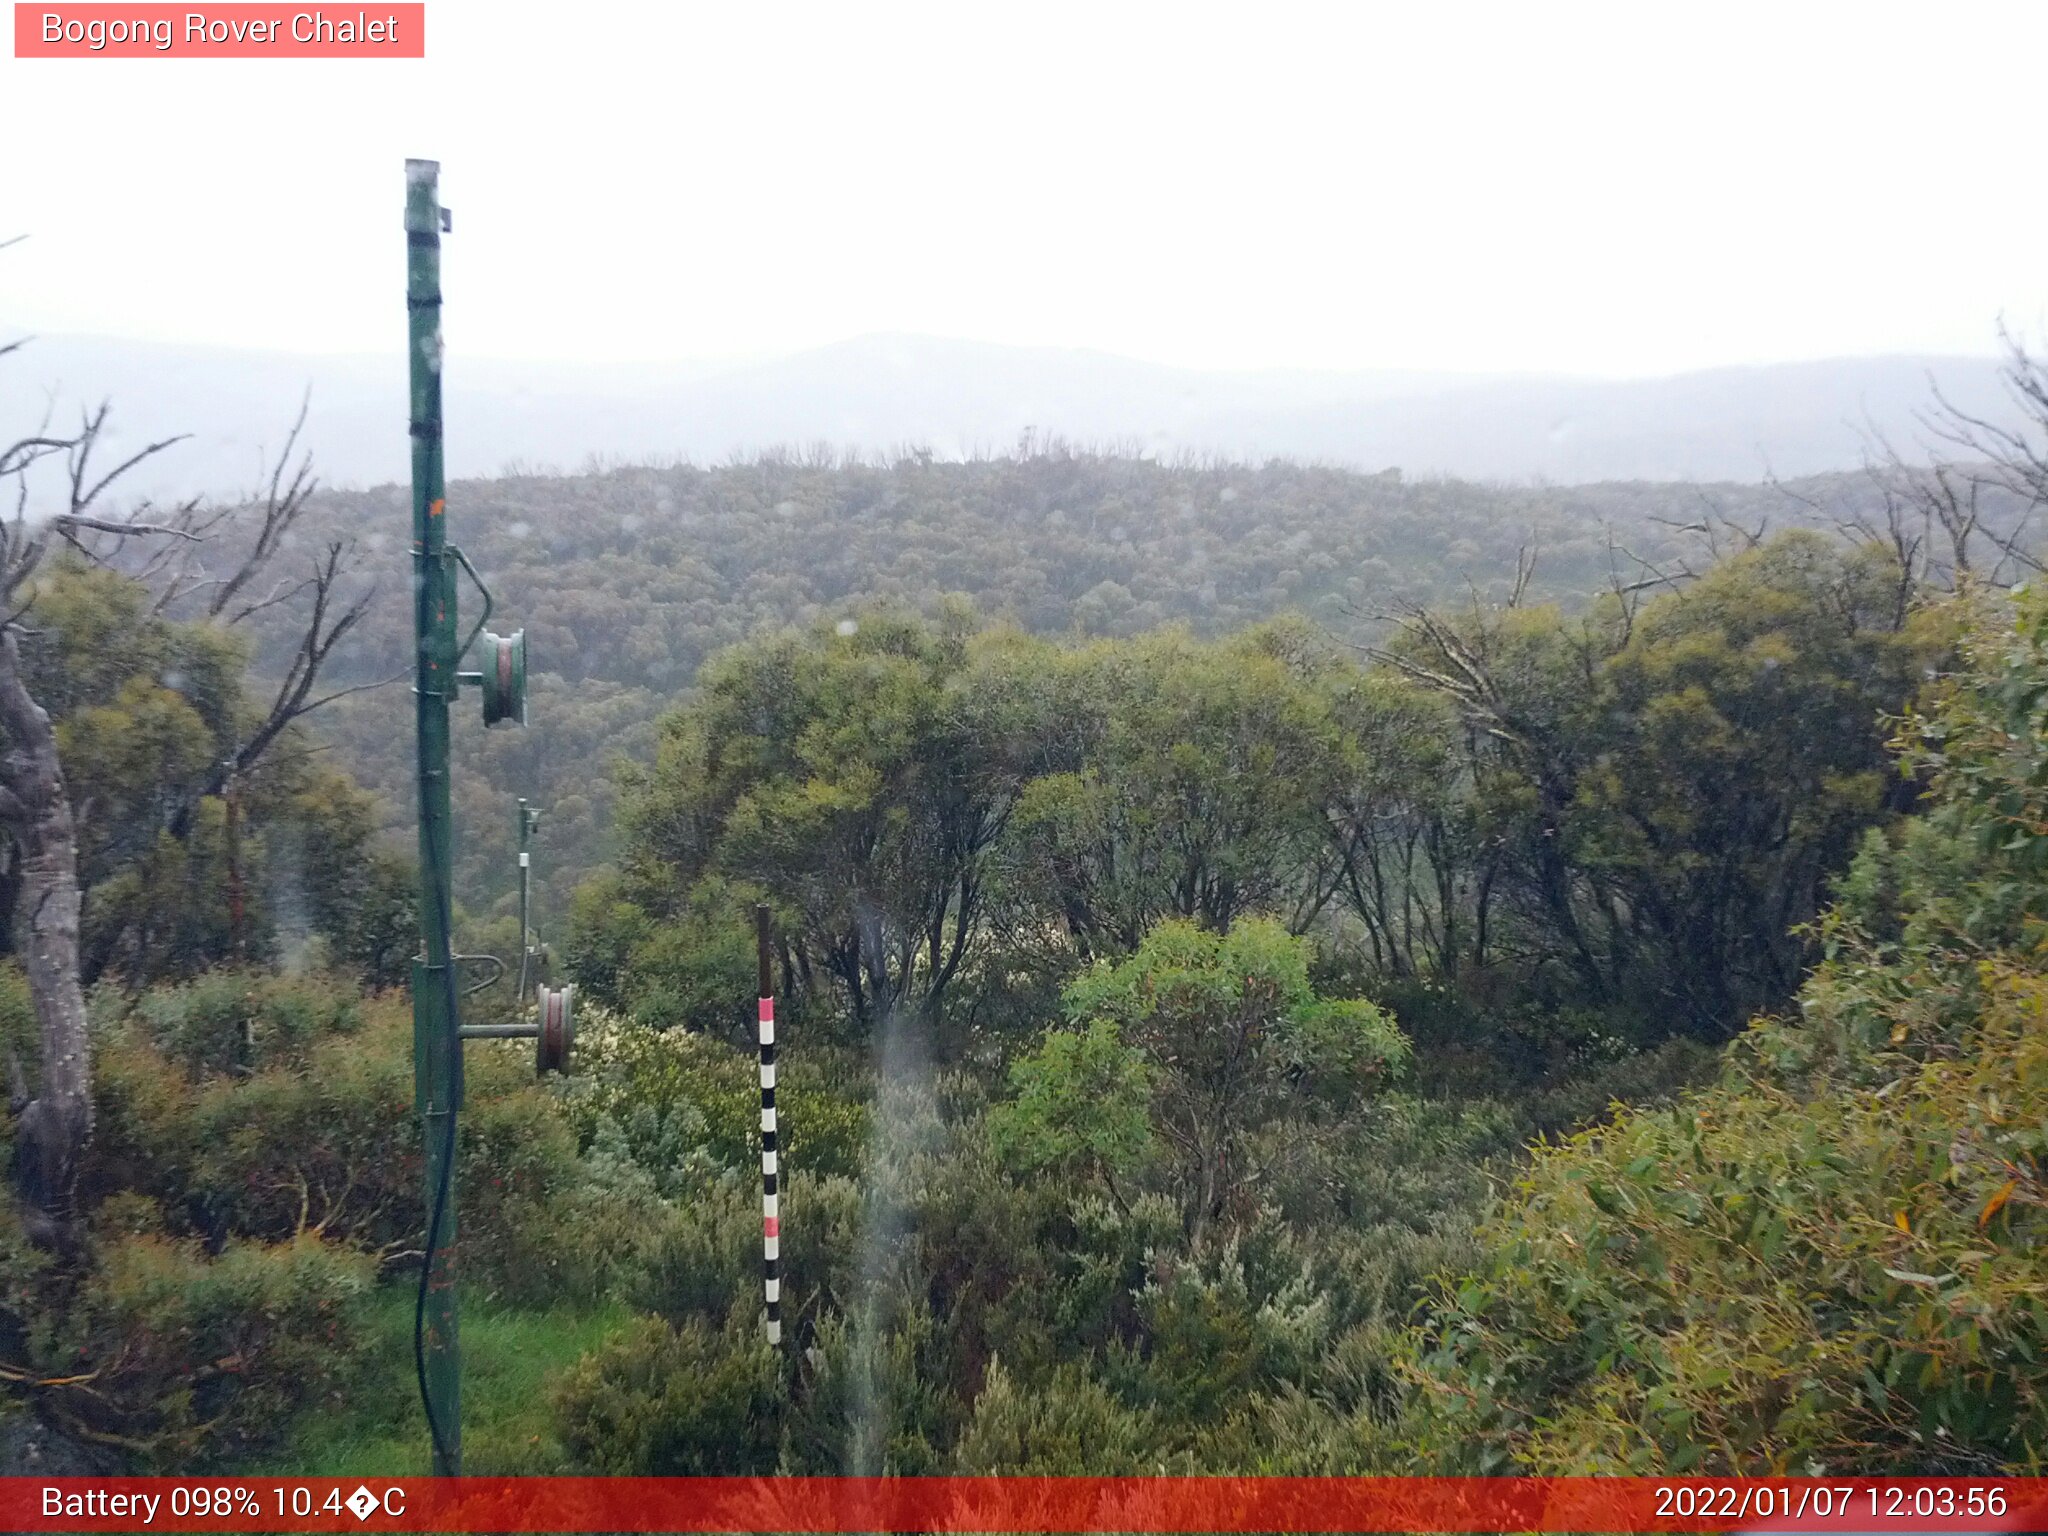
x=657, y=1401
x=180, y=1360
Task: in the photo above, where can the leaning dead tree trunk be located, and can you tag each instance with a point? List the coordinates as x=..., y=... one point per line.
x=54, y=1116
x=53, y=1127
x=53, y=1123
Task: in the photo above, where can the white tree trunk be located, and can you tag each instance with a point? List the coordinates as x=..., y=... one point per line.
x=54, y=1127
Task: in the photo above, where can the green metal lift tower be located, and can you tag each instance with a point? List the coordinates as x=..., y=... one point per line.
x=437, y=995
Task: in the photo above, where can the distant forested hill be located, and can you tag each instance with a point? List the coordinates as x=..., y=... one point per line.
x=874, y=392
x=625, y=581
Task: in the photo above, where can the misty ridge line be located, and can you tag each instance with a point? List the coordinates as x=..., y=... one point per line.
x=880, y=401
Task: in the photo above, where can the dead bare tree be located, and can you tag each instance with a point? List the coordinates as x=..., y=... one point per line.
x=54, y=1124
x=1525, y=568
x=1458, y=666
x=255, y=534
x=1967, y=513
x=54, y=1120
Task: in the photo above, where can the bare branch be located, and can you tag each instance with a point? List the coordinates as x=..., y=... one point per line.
x=325, y=627
x=283, y=502
x=342, y=693
x=1525, y=567
x=71, y=521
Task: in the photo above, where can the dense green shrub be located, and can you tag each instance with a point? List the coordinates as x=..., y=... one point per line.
x=1767, y=1280
x=707, y=1258
x=1065, y=1425
x=681, y=1104
x=872, y=1392
x=325, y=1142
x=658, y=1401
x=244, y=1021
x=240, y=1217
x=1191, y=1046
x=695, y=970
x=1185, y=1228
x=1081, y=1107
x=179, y=1359
x=1244, y=1316
x=1831, y=1258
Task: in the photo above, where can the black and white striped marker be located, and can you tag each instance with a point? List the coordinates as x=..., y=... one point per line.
x=771, y=1219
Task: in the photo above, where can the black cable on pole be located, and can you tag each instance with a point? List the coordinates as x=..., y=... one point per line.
x=419, y=1313
x=441, y=1188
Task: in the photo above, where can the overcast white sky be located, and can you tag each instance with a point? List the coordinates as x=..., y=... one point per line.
x=1635, y=189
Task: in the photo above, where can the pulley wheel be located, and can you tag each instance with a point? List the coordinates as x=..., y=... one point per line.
x=557, y=1029
x=503, y=664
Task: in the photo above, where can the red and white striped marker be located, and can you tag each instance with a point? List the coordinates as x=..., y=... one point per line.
x=771, y=1218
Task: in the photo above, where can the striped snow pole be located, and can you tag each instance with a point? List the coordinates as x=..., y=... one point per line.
x=771, y=1219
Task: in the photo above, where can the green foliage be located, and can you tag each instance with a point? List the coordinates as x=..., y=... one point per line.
x=874, y=1391
x=176, y=880
x=1704, y=808
x=1070, y=1424
x=605, y=926
x=1191, y=781
x=245, y=1021
x=1081, y=1105
x=322, y=1139
x=241, y=1211
x=181, y=1359
x=708, y=1257
x=657, y=1401
x=1191, y=1234
x=332, y=883
x=630, y=579
x=223, y=1351
x=1830, y=1259
x=680, y=1104
x=319, y=1138
x=860, y=774
x=695, y=971
x=1229, y=1031
x=900, y=1292
x=1600, y=815
x=1244, y=1317
x=1765, y=1280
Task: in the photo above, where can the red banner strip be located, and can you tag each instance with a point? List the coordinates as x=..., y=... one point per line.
x=1024, y=1504
x=375, y=30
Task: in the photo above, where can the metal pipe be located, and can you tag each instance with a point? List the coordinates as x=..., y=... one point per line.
x=437, y=1050
x=525, y=927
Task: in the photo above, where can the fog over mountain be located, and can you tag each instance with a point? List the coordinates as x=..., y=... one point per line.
x=957, y=398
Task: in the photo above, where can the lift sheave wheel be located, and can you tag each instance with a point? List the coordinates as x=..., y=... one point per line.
x=557, y=1029
x=502, y=661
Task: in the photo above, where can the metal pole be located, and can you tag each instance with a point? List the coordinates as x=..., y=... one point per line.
x=771, y=1215
x=437, y=1052
x=525, y=928
x=238, y=947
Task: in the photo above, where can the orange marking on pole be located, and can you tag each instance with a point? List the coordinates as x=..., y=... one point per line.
x=436, y=509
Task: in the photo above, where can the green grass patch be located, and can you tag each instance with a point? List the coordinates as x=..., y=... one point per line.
x=509, y=1360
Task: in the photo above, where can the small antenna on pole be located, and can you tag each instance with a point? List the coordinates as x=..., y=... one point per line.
x=527, y=818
